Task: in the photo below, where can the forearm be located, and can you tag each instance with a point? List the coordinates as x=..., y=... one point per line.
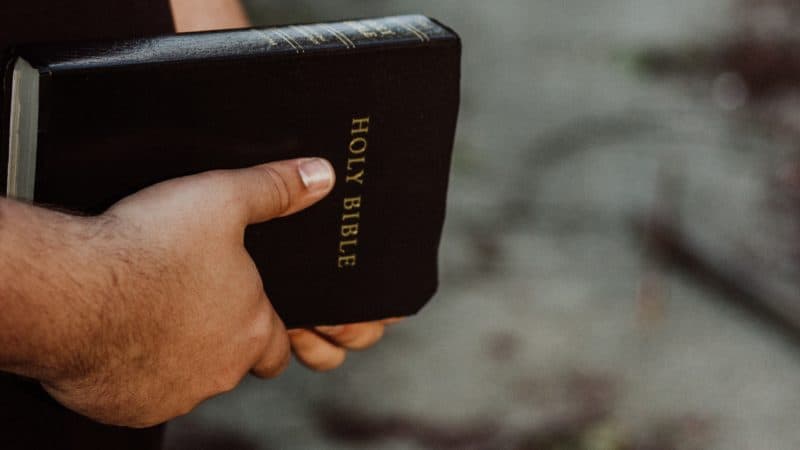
x=48, y=284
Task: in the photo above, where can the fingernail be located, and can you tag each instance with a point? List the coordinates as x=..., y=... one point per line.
x=316, y=173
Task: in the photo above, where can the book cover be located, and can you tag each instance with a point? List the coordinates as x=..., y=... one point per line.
x=378, y=98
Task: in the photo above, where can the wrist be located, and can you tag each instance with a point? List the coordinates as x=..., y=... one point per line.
x=52, y=300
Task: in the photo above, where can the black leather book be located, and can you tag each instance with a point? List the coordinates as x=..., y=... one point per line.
x=88, y=123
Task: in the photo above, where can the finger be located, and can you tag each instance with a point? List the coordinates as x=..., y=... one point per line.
x=357, y=336
x=393, y=320
x=191, y=15
x=277, y=353
x=282, y=188
x=314, y=351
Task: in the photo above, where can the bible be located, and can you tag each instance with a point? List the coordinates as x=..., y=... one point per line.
x=88, y=123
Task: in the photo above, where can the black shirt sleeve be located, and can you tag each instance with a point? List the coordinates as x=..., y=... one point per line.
x=27, y=21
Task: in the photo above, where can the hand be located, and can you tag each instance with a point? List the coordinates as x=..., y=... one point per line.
x=325, y=348
x=134, y=317
x=172, y=307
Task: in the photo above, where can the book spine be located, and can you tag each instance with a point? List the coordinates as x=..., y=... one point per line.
x=352, y=34
x=287, y=40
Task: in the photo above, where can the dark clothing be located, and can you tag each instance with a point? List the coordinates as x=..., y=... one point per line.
x=48, y=20
x=29, y=418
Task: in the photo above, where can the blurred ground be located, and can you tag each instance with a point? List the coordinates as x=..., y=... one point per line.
x=552, y=329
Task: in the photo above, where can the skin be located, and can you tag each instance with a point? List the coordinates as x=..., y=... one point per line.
x=136, y=316
x=201, y=15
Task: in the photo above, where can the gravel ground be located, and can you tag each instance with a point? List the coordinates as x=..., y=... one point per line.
x=552, y=329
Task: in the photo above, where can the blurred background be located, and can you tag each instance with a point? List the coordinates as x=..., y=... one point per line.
x=620, y=266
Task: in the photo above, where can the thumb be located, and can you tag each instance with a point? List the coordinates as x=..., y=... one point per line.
x=282, y=188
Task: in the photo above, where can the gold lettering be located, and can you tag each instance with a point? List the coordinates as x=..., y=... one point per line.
x=358, y=145
x=351, y=161
x=356, y=172
x=351, y=216
x=347, y=261
x=360, y=126
x=358, y=178
x=351, y=203
x=350, y=230
x=344, y=244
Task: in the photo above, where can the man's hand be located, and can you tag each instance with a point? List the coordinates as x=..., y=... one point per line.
x=136, y=316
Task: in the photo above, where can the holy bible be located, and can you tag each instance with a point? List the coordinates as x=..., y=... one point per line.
x=88, y=123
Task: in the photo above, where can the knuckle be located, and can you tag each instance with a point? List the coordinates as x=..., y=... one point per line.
x=284, y=352
x=286, y=359
x=279, y=357
x=277, y=189
x=226, y=384
x=273, y=322
x=264, y=324
x=275, y=360
x=275, y=334
x=252, y=285
x=282, y=363
x=272, y=368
